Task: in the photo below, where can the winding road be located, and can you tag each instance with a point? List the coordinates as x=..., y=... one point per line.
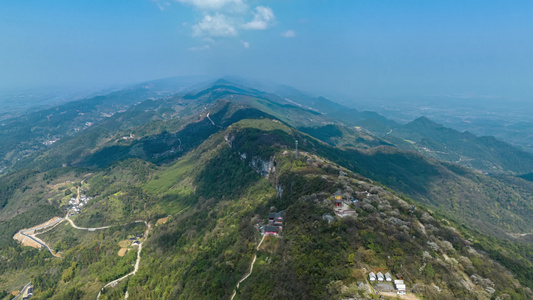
x=136, y=267
x=32, y=236
x=100, y=228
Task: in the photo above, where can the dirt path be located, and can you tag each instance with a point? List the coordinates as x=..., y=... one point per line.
x=210, y=120
x=251, y=269
x=519, y=234
x=136, y=267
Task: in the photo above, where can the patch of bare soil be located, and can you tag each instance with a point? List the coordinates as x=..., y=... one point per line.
x=122, y=252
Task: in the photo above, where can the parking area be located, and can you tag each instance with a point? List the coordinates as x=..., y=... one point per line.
x=384, y=287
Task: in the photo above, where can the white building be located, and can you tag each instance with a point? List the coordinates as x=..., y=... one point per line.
x=372, y=276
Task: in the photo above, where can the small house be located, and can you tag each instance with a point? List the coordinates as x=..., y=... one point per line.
x=400, y=287
x=380, y=276
x=271, y=230
x=277, y=218
x=388, y=277
x=136, y=243
x=372, y=276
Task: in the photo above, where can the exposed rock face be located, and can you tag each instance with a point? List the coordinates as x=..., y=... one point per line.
x=260, y=165
x=229, y=139
x=263, y=167
x=279, y=189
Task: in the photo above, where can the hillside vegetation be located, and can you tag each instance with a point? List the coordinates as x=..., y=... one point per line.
x=205, y=169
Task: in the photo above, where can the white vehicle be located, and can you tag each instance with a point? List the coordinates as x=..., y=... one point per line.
x=400, y=292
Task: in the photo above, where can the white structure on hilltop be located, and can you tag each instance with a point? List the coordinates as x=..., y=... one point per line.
x=372, y=276
x=380, y=276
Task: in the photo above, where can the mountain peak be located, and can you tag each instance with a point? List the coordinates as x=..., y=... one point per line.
x=222, y=81
x=424, y=121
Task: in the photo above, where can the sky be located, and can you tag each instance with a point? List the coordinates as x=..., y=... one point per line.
x=355, y=48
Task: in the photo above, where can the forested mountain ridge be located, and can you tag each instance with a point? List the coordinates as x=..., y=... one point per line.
x=29, y=134
x=486, y=154
x=206, y=245
x=208, y=166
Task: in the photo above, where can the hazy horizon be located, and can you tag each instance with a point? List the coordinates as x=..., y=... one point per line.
x=351, y=49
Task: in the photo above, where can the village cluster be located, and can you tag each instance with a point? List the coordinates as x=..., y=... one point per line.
x=399, y=285
x=135, y=240
x=75, y=205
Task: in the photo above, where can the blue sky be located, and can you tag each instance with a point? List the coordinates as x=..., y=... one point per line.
x=355, y=48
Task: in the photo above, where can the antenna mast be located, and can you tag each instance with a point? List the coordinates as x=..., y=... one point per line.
x=296, y=149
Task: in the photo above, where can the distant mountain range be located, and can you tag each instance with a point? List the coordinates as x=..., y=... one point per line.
x=205, y=164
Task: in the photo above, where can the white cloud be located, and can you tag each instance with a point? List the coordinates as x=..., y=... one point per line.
x=246, y=45
x=289, y=34
x=214, y=4
x=217, y=25
x=263, y=18
x=224, y=18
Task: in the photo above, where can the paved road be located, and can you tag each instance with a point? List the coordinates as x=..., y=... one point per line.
x=102, y=227
x=22, y=291
x=42, y=243
x=251, y=268
x=34, y=238
x=88, y=229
